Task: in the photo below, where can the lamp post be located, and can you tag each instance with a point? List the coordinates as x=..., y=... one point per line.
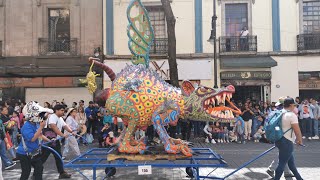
x=213, y=40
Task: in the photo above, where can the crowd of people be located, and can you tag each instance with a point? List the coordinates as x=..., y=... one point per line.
x=250, y=124
x=81, y=125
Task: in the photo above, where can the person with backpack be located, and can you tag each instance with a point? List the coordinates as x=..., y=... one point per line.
x=284, y=134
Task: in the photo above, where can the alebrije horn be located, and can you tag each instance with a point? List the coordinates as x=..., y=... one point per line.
x=106, y=68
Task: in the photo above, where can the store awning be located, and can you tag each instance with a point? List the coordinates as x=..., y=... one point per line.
x=248, y=62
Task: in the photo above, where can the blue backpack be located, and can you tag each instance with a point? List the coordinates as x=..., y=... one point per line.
x=273, y=127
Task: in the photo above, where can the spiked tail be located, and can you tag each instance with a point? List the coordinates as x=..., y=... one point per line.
x=106, y=69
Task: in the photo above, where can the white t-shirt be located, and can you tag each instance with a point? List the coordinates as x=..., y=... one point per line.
x=54, y=119
x=244, y=33
x=288, y=119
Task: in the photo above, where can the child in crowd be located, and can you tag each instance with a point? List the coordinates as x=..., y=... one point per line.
x=104, y=132
x=208, y=130
x=218, y=132
x=258, y=135
x=232, y=136
x=15, y=127
x=111, y=140
x=239, y=129
x=225, y=134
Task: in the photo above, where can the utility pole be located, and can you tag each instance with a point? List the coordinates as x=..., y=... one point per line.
x=213, y=39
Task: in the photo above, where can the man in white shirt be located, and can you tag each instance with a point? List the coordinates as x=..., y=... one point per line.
x=56, y=123
x=244, y=46
x=290, y=125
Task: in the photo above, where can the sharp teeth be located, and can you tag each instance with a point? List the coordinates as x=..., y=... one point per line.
x=218, y=99
x=224, y=98
x=212, y=112
x=207, y=111
x=231, y=113
x=230, y=95
x=215, y=113
x=213, y=102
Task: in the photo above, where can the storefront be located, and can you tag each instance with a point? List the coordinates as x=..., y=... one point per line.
x=251, y=76
x=249, y=84
x=309, y=85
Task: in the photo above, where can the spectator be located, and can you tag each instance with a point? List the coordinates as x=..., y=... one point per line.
x=316, y=116
x=104, y=134
x=81, y=104
x=239, y=129
x=111, y=140
x=208, y=130
x=225, y=134
x=15, y=119
x=4, y=144
x=186, y=127
x=74, y=105
x=306, y=116
x=47, y=105
x=71, y=142
x=258, y=135
x=91, y=113
x=247, y=115
x=55, y=125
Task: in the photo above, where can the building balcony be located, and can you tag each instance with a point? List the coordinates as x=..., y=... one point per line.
x=308, y=42
x=236, y=44
x=0, y=48
x=63, y=47
x=159, y=46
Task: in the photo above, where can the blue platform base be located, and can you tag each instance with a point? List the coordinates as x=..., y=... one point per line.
x=97, y=159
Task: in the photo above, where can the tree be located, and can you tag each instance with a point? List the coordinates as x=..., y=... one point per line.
x=171, y=24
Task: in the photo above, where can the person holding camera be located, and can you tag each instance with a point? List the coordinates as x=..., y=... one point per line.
x=29, y=149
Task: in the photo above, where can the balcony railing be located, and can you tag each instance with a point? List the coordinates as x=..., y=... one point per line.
x=0, y=48
x=238, y=44
x=308, y=42
x=58, y=47
x=159, y=46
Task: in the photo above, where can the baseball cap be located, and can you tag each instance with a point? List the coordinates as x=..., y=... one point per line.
x=288, y=101
x=280, y=101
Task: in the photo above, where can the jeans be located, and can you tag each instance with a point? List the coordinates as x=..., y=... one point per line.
x=306, y=127
x=285, y=147
x=5, y=160
x=247, y=128
x=241, y=138
x=14, y=136
x=26, y=164
x=46, y=153
x=316, y=127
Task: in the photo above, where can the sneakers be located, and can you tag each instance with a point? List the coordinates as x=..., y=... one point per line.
x=10, y=166
x=213, y=141
x=63, y=158
x=15, y=160
x=288, y=174
x=271, y=173
x=207, y=140
x=64, y=175
x=303, y=137
x=309, y=138
x=315, y=137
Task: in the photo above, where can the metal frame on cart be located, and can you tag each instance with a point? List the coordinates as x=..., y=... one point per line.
x=204, y=157
x=96, y=158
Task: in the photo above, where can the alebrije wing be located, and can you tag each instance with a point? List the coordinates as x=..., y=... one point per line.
x=140, y=33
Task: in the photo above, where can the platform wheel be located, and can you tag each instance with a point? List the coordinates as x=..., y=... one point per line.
x=110, y=171
x=190, y=171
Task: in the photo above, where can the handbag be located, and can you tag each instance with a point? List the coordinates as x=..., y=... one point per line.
x=34, y=154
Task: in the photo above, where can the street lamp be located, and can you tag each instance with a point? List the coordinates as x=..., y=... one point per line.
x=213, y=40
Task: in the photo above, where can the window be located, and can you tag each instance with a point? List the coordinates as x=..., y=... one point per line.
x=311, y=17
x=59, y=30
x=158, y=21
x=236, y=18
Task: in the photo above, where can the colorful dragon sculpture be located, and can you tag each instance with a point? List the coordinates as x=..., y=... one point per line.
x=141, y=98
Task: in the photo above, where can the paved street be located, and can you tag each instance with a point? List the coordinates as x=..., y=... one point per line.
x=307, y=160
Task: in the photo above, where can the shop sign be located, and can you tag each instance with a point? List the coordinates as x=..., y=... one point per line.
x=246, y=75
x=310, y=84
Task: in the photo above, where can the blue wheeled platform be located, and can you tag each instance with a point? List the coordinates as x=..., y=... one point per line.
x=97, y=159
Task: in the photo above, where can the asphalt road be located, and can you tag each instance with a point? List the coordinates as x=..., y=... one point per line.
x=307, y=161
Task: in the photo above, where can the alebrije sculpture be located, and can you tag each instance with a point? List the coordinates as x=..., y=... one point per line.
x=141, y=98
